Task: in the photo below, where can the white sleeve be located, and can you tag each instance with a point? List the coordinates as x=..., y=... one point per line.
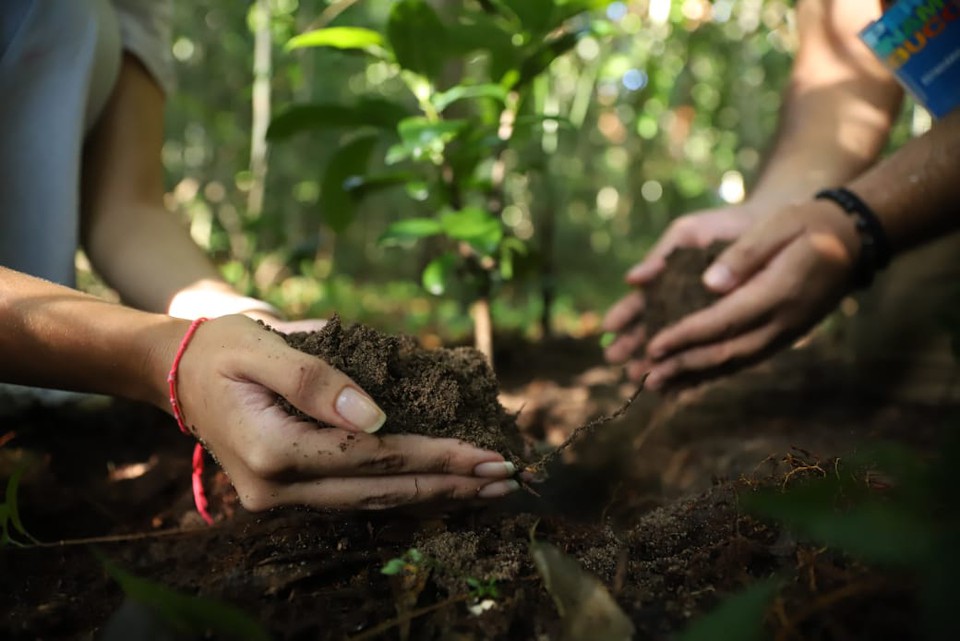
x=145, y=30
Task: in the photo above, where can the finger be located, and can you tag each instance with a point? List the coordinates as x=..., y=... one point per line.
x=700, y=363
x=309, y=384
x=624, y=312
x=737, y=312
x=626, y=346
x=638, y=369
x=681, y=233
x=305, y=325
x=391, y=491
x=748, y=255
x=314, y=452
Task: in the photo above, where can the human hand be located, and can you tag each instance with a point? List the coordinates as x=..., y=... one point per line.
x=228, y=382
x=781, y=277
x=626, y=316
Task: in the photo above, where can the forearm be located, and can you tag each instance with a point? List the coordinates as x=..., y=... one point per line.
x=144, y=253
x=838, y=108
x=916, y=191
x=56, y=337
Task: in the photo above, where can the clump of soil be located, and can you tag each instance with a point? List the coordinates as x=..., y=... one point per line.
x=679, y=290
x=447, y=393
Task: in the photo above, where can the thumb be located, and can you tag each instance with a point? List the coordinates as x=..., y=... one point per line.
x=748, y=255
x=313, y=386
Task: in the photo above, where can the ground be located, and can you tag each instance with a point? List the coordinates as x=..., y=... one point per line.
x=646, y=509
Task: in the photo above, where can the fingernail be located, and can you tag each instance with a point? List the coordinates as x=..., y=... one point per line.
x=498, y=489
x=495, y=470
x=718, y=277
x=357, y=408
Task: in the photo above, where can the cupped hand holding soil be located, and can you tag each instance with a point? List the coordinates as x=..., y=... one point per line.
x=442, y=393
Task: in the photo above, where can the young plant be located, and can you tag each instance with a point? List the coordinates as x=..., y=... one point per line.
x=481, y=589
x=10, y=513
x=408, y=563
x=471, y=76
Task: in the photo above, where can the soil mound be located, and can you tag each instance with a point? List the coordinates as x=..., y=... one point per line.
x=679, y=290
x=447, y=393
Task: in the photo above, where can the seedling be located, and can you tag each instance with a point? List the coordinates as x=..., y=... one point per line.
x=481, y=589
x=10, y=513
x=471, y=75
x=408, y=563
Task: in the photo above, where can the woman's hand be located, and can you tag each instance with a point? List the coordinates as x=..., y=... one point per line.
x=779, y=279
x=626, y=316
x=228, y=382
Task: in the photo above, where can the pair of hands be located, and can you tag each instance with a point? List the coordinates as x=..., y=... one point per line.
x=228, y=381
x=786, y=269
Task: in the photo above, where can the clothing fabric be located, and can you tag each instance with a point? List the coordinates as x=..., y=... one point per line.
x=58, y=65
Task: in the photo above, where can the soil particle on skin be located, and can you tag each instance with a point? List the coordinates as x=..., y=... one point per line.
x=446, y=393
x=679, y=290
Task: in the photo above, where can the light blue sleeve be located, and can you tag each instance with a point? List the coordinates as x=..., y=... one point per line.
x=145, y=30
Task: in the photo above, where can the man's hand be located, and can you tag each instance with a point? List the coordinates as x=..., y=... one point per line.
x=780, y=278
x=626, y=316
x=229, y=380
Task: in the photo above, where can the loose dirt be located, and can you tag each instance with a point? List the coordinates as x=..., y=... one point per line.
x=654, y=515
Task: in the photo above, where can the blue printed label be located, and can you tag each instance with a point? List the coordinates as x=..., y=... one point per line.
x=919, y=40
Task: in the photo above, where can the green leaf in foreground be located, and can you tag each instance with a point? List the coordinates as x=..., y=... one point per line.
x=188, y=615
x=10, y=511
x=738, y=618
x=337, y=206
x=873, y=530
x=337, y=37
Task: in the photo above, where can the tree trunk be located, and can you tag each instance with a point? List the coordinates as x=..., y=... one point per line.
x=483, y=327
x=260, y=113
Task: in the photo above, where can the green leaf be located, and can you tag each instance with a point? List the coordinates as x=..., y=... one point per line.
x=466, y=92
x=337, y=205
x=362, y=186
x=536, y=16
x=417, y=37
x=438, y=274
x=409, y=230
x=873, y=530
x=337, y=37
x=393, y=567
x=188, y=615
x=541, y=59
x=489, y=34
x=368, y=112
x=738, y=618
x=475, y=226
x=422, y=138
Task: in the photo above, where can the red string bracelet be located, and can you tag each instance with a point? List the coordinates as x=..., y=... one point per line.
x=199, y=498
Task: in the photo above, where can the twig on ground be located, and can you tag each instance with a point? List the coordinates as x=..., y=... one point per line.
x=584, y=430
x=119, y=538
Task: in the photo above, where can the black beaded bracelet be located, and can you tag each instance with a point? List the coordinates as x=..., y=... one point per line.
x=875, y=252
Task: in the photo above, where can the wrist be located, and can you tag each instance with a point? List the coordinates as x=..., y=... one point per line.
x=872, y=248
x=159, y=346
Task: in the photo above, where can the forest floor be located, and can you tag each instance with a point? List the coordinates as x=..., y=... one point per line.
x=648, y=505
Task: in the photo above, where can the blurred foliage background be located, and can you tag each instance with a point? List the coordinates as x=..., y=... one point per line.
x=673, y=103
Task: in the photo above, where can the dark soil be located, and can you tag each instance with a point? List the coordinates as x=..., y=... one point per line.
x=679, y=290
x=649, y=505
x=448, y=393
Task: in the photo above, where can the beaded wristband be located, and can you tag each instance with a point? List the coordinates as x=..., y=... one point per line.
x=199, y=497
x=875, y=252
